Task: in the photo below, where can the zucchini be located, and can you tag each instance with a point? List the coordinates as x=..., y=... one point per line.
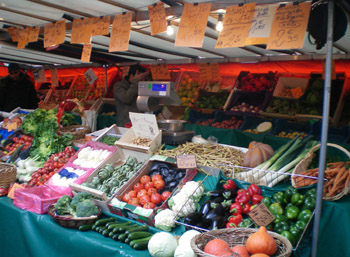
x=122, y=237
x=105, y=232
x=127, y=240
x=123, y=229
x=102, y=222
x=85, y=227
x=140, y=244
x=113, y=222
x=139, y=228
x=115, y=237
x=139, y=235
x=111, y=234
x=116, y=229
x=119, y=225
x=101, y=229
x=96, y=228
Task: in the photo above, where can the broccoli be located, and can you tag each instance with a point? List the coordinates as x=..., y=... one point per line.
x=79, y=197
x=63, y=207
x=86, y=208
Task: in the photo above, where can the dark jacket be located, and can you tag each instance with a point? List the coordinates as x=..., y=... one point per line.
x=125, y=95
x=17, y=93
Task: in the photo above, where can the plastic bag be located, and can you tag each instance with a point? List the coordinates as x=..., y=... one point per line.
x=36, y=199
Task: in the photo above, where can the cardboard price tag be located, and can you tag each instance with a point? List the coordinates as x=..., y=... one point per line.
x=261, y=215
x=54, y=77
x=90, y=76
x=22, y=38
x=100, y=26
x=186, y=161
x=157, y=18
x=54, y=33
x=13, y=31
x=120, y=34
x=15, y=186
x=144, y=125
x=86, y=53
x=33, y=34
x=81, y=31
x=160, y=72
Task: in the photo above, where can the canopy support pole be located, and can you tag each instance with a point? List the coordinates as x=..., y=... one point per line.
x=324, y=133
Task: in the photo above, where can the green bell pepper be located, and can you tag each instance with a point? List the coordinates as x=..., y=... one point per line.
x=246, y=223
x=309, y=203
x=300, y=224
x=279, y=197
x=292, y=212
x=311, y=193
x=279, y=218
x=305, y=215
x=267, y=201
x=290, y=191
x=276, y=208
x=281, y=226
x=295, y=231
x=297, y=199
x=289, y=236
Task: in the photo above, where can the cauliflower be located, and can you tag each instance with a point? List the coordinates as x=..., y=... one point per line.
x=193, y=188
x=165, y=220
x=86, y=208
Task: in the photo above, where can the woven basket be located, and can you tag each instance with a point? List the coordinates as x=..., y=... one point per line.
x=71, y=222
x=304, y=164
x=7, y=174
x=77, y=131
x=237, y=236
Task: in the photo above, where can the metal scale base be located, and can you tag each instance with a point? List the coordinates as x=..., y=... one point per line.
x=176, y=138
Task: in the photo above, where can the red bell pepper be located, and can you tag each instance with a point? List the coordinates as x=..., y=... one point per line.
x=231, y=225
x=243, y=198
x=235, y=219
x=257, y=199
x=242, y=191
x=246, y=207
x=236, y=208
x=229, y=184
x=254, y=190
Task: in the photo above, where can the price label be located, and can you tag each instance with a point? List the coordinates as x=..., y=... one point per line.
x=236, y=25
x=157, y=18
x=81, y=31
x=261, y=215
x=33, y=34
x=100, y=26
x=13, y=33
x=90, y=76
x=186, y=161
x=54, y=33
x=22, y=38
x=86, y=53
x=60, y=32
x=160, y=72
x=120, y=34
x=289, y=26
x=15, y=186
x=54, y=78
x=192, y=25
x=209, y=72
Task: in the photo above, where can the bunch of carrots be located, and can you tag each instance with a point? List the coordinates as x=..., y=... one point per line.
x=336, y=173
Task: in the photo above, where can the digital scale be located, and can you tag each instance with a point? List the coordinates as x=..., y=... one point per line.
x=153, y=94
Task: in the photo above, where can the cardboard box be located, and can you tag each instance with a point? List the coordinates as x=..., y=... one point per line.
x=291, y=83
x=112, y=130
x=118, y=207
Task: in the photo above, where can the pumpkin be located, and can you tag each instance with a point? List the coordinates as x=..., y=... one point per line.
x=259, y=255
x=261, y=242
x=257, y=153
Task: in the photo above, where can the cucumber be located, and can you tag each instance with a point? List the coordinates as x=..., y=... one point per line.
x=85, y=227
x=111, y=234
x=113, y=222
x=119, y=225
x=123, y=229
x=105, y=232
x=140, y=244
x=116, y=228
x=139, y=228
x=139, y=235
x=127, y=240
x=122, y=237
x=96, y=228
x=102, y=222
x=115, y=237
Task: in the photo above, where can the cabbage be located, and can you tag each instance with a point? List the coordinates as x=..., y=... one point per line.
x=186, y=238
x=184, y=251
x=162, y=244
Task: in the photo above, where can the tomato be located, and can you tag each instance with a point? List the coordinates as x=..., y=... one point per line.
x=156, y=198
x=138, y=186
x=134, y=201
x=144, y=199
x=144, y=179
x=156, y=177
x=165, y=195
x=132, y=194
x=151, y=191
x=149, y=185
x=141, y=193
x=3, y=191
x=52, y=173
x=126, y=197
x=149, y=205
x=159, y=184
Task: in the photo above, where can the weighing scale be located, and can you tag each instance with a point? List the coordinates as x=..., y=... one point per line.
x=152, y=94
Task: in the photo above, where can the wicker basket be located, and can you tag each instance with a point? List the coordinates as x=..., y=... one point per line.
x=304, y=164
x=71, y=222
x=7, y=174
x=237, y=236
x=77, y=131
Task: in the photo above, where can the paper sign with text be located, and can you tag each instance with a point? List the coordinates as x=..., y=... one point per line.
x=157, y=18
x=13, y=33
x=236, y=25
x=186, y=161
x=54, y=77
x=261, y=215
x=192, y=25
x=33, y=34
x=100, y=26
x=22, y=38
x=15, y=186
x=60, y=31
x=86, y=53
x=160, y=72
x=215, y=72
x=144, y=125
x=120, y=34
x=90, y=76
x=204, y=71
x=54, y=33
x=261, y=25
x=81, y=31
x=289, y=26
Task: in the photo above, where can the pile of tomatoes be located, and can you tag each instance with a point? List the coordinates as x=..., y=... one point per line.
x=51, y=166
x=24, y=140
x=148, y=192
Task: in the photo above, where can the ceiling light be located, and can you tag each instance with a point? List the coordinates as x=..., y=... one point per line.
x=170, y=29
x=219, y=25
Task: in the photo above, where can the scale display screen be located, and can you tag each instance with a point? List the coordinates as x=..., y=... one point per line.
x=158, y=87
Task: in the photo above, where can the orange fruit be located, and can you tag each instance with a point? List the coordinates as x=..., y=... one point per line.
x=217, y=247
x=241, y=250
x=260, y=255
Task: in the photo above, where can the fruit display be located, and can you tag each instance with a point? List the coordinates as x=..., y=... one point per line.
x=245, y=107
x=11, y=124
x=21, y=143
x=294, y=92
x=188, y=90
x=256, y=82
x=205, y=122
x=291, y=134
x=232, y=123
x=211, y=100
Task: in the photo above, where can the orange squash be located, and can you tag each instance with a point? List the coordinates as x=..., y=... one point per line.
x=261, y=242
x=259, y=255
x=217, y=247
x=257, y=153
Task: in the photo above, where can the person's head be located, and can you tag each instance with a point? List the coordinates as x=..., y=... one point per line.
x=134, y=70
x=14, y=71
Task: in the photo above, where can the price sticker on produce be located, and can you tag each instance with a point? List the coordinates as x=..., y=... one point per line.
x=186, y=161
x=261, y=215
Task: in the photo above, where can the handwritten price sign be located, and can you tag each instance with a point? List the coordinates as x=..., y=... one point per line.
x=160, y=72
x=186, y=161
x=289, y=26
x=157, y=18
x=90, y=76
x=86, y=53
x=54, y=33
x=261, y=215
x=81, y=31
x=100, y=26
x=120, y=32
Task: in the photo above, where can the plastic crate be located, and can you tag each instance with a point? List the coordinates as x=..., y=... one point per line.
x=221, y=117
x=199, y=117
x=335, y=135
x=253, y=122
x=258, y=82
x=282, y=125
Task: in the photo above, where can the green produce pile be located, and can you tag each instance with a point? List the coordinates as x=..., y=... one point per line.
x=311, y=101
x=211, y=100
x=282, y=106
x=109, y=179
x=81, y=205
x=108, y=139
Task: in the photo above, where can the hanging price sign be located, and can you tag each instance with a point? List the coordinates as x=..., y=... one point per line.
x=90, y=76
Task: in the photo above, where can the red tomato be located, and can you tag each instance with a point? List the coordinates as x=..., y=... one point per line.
x=132, y=194
x=165, y=195
x=138, y=186
x=126, y=197
x=151, y=191
x=144, y=179
x=159, y=184
x=144, y=199
x=156, y=198
x=149, y=205
x=149, y=185
x=141, y=193
x=156, y=177
x=134, y=201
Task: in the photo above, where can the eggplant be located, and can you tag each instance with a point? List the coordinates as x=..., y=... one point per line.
x=202, y=225
x=219, y=199
x=229, y=194
x=193, y=218
x=155, y=172
x=210, y=215
x=217, y=223
x=164, y=171
x=205, y=208
x=172, y=185
x=172, y=171
x=214, y=194
x=179, y=175
x=168, y=179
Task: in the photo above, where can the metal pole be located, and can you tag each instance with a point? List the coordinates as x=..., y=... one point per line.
x=324, y=133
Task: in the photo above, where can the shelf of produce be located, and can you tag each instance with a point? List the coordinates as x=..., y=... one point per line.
x=256, y=82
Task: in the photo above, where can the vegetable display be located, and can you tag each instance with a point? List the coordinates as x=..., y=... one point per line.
x=81, y=205
x=66, y=176
x=91, y=158
x=25, y=168
x=162, y=244
x=108, y=139
x=257, y=153
x=17, y=142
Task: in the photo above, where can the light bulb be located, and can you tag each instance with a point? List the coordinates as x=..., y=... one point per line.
x=170, y=29
x=219, y=25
